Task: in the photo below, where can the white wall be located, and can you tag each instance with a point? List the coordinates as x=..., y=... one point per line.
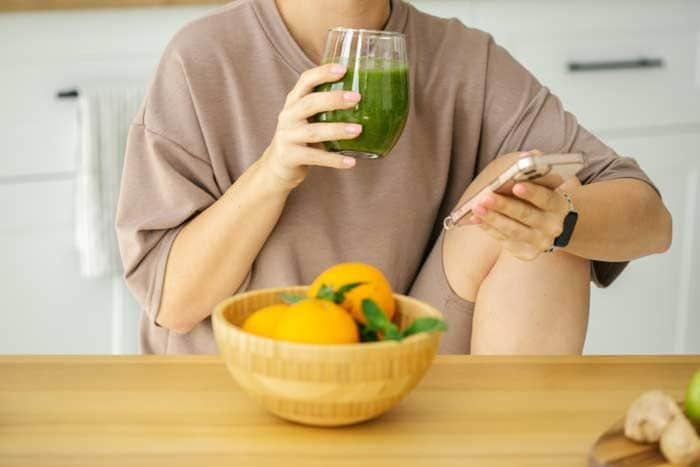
x=49, y=308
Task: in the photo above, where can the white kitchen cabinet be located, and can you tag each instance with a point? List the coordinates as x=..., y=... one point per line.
x=547, y=36
x=645, y=96
x=653, y=307
x=47, y=307
x=41, y=53
x=34, y=87
x=514, y=21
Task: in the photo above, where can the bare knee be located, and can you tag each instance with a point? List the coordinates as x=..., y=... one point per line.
x=533, y=307
x=468, y=255
x=576, y=268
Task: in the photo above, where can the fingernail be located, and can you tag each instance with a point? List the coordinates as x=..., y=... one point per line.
x=475, y=220
x=353, y=129
x=352, y=96
x=349, y=161
x=519, y=189
x=479, y=210
x=338, y=69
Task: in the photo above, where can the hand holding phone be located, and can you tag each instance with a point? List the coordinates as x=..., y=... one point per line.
x=550, y=170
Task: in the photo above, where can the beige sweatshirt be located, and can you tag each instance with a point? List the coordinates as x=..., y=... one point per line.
x=211, y=111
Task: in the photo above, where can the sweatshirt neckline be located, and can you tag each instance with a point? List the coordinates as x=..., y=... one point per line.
x=287, y=47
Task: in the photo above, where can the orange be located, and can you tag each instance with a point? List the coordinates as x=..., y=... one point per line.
x=314, y=321
x=375, y=286
x=264, y=321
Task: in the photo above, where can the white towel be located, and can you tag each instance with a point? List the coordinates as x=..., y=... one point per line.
x=106, y=109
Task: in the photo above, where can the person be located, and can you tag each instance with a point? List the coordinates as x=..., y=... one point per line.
x=225, y=188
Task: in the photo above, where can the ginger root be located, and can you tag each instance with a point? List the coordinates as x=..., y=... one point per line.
x=649, y=415
x=680, y=443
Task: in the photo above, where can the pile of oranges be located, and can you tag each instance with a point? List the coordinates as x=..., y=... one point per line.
x=332, y=311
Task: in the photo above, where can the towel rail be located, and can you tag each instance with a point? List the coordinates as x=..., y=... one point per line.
x=68, y=94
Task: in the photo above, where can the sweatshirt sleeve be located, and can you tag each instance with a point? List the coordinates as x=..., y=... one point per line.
x=521, y=114
x=167, y=179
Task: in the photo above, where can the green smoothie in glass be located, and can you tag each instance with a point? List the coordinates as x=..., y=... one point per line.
x=377, y=68
x=382, y=112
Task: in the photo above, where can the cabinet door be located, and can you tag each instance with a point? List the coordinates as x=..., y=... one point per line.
x=654, y=307
x=634, y=65
x=47, y=306
x=65, y=50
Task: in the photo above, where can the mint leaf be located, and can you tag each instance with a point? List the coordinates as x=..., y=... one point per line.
x=290, y=298
x=377, y=320
x=326, y=293
x=339, y=296
x=392, y=333
x=367, y=335
x=425, y=325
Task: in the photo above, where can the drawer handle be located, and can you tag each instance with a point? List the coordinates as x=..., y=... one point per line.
x=641, y=63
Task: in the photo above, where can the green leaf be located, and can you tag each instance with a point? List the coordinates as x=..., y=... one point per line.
x=340, y=293
x=326, y=293
x=425, y=325
x=290, y=298
x=392, y=333
x=377, y=320
x=367, y=335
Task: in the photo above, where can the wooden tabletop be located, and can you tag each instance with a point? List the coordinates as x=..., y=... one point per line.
x=187, y=411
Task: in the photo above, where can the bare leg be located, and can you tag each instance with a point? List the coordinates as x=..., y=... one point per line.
x=521, y=307
x=537, y=307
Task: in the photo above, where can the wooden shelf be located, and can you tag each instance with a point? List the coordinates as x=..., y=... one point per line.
x=34, y=5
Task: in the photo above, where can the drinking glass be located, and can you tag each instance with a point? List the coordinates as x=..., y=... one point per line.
x=377, y=68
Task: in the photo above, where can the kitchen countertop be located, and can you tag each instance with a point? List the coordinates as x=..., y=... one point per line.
x=172, y=411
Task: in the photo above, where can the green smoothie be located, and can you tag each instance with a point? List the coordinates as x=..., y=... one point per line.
x=382, y=112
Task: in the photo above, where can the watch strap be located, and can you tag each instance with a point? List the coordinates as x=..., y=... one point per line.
x=568, y=228
x=569, y=223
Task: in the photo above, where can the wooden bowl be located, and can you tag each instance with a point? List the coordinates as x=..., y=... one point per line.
x=322, y=385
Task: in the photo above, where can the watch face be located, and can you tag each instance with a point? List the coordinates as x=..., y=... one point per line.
x=569, y=223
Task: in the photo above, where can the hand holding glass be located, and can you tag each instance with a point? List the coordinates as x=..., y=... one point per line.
x=377, y=68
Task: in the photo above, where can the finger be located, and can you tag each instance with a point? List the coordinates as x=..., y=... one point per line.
x=520, y=211
x=317, y=102
x=311, y=78
x=525, y=254
x=513, y=230
x=523, y=251
x=319, y=132
x=540, y=196
x=492, y=232
x=320, y=158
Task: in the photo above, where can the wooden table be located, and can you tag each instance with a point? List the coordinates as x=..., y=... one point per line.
x=173, y=411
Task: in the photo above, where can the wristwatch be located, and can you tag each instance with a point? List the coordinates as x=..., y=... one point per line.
x=569, y=224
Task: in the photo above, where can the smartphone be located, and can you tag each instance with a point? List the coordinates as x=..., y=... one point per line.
x=550, y=170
